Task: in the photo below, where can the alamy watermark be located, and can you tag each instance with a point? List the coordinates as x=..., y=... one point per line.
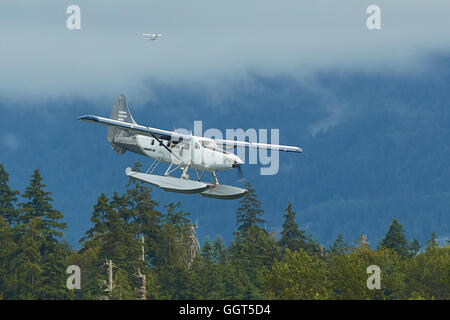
x=212, y=137
x=74, y=280
x=374, y=280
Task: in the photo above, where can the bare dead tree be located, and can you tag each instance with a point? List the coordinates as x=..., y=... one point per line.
x=193, y=247
x=363, y=241
x=143, y=279
x=110, y=283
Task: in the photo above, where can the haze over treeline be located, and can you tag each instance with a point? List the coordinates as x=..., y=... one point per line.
x=377, y=146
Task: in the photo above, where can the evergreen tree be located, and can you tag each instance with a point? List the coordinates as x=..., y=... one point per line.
x=207, y=251
x=249, y=213
x=8, y=249
x=294, y=239
x=120, y=242
x=40, y=257
x=177, y=218
x=414, y=247
x=7, y=198
x=220, y=251
x=27, y=260
x=433, y=241
x=113, y=236
x=250, y=253
x=339, y=246
x=52, y=284
x=146, y=218
x=39, y=206
x=98, y=218
x=395, y=239
x=33, y=260
x=297, y=276
x=170, y=262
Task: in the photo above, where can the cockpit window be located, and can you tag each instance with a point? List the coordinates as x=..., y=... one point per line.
x=209, y=144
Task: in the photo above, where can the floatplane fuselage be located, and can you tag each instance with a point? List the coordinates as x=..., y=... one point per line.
x=181, y=151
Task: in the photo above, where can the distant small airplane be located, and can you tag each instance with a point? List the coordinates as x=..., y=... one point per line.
x=152, y=36
x=181, y=151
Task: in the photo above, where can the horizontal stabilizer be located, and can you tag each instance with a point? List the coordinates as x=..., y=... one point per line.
x=132, y=128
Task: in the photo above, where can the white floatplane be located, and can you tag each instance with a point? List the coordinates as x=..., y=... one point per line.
x=181, y=151
x=152, y=36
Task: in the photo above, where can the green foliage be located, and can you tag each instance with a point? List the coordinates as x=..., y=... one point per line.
x=38, y=209
x=414, y=247
x=395, y=239
x=249, y=212
x=8, y=198
x=256, y=265
x=339, y=246
x=294, y=239
x=297, y=276
x=427, y=275
x=432, y=242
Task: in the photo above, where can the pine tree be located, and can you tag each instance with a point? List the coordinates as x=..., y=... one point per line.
x=173, y=250
x=113, y=236
x=220, y=251
x=120, y=242
x=339, y=246
x=40, y=229
x=146, y=217
x=395, y=239
x=206, y=251
x=249, y=253
x=98, y=218
x=414, y=247
x=27, y=260
x=249, y=213
x=433, y=241
x=8, y=249
x=177, y=218
x=7, y=198
x=291, y=237
x=39, y=206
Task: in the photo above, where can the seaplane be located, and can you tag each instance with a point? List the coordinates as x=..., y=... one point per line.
x=180, y=150
x=152, y=36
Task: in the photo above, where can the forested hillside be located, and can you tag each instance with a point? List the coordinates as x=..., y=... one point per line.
x=377, y=146
x=138, y=248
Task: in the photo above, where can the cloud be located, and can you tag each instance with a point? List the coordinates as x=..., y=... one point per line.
x=204, y=41
x=10, y=141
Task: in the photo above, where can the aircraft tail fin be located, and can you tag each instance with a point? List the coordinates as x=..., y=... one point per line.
x=120, y=112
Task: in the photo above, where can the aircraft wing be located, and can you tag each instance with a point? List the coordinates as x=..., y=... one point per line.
x=243, y=144
x=134, y=128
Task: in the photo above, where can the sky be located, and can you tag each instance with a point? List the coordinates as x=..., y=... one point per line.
x=215, y=61
x=208, y=43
